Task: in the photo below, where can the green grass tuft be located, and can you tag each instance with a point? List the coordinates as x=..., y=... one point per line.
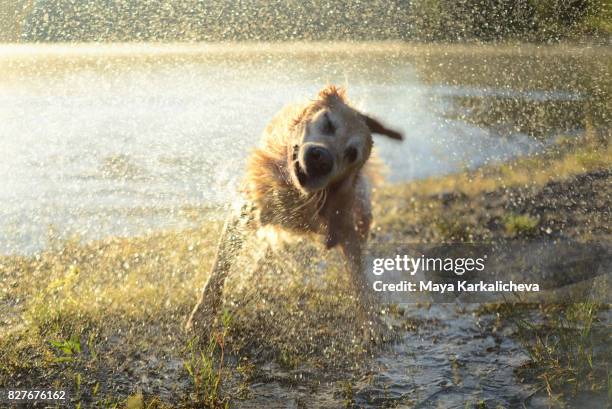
x=562, y=349
x=521, y=225
x=206, y=368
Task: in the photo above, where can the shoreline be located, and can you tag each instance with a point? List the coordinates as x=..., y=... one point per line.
x=194, y=215
x=123, y=300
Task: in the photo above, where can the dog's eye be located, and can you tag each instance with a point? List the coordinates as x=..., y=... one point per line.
x=350, y=154
x=327, y=127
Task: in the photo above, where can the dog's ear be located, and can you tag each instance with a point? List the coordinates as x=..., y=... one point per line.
x=378, y=128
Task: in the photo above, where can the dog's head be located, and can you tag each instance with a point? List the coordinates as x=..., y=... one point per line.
x=330, y=141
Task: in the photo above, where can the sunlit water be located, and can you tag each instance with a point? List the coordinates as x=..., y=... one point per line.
x=97, y=142
x=451, y=360
x=98, y=146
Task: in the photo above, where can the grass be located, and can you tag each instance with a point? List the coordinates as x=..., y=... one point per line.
x=565, y=349
x=68, y=350
x=348, y=394
x=568, y=351
x=568, y=157
x=79, y=310
x=206, y=368
x=93, y=317
x=520, y=225
x=496, y=201
x=97, y=317
x=567, y=346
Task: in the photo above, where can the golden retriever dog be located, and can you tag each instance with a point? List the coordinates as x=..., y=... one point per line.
x=310, y=176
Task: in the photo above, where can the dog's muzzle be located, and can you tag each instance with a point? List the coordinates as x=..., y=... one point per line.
x=312, y=164
x=319, y=162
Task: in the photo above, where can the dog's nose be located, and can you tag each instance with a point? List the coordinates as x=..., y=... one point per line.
x=319, y=161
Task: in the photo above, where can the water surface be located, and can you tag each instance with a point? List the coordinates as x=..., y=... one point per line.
x=107, y=140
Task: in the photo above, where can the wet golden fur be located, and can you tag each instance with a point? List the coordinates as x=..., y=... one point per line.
x=335, y=206
x=268, y=183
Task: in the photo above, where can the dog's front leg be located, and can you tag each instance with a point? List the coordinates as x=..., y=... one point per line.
x=352, y=249
x=230, y=243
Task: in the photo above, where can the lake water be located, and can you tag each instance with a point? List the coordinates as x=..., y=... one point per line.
x=107, y=140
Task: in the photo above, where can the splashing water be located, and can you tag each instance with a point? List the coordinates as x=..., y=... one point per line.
x=107, y=140
x=127, y=139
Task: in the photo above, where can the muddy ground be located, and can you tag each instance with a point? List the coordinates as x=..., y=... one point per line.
x=104, y=319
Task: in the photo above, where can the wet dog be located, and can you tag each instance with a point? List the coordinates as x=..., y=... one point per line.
x=310, y=176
